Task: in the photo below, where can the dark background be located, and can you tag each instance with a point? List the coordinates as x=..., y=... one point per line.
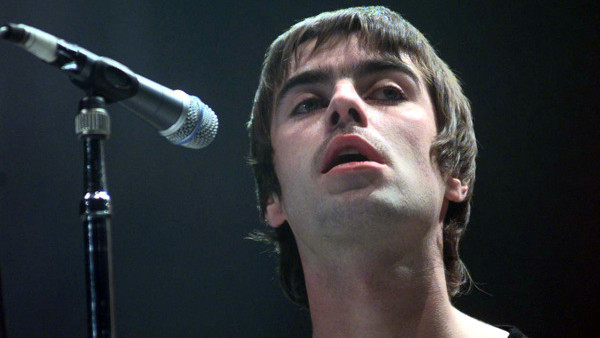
x=181, y=265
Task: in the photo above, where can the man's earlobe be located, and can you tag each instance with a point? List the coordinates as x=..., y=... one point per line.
x=275, y=215
x=455, y=190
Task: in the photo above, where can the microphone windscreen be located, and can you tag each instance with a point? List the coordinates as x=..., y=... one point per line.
x=198, y=129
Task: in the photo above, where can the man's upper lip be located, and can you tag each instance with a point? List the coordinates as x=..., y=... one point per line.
x=348, y=141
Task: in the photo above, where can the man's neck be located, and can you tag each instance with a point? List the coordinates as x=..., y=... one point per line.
x=375, y=294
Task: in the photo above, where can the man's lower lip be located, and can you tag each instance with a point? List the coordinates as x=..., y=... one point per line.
x=354, y=166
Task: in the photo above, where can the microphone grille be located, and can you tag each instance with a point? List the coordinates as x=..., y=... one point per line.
x=199, y=127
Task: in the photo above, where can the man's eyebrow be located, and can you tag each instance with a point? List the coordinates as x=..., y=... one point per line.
x=369, y=67
x=358, y=70
x=319, y=75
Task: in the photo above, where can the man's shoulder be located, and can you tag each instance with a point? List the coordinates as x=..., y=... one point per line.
x=513, y=332
x=476, y=328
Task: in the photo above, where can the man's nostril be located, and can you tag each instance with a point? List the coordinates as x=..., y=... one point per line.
x=335, y=118
x=355, y=115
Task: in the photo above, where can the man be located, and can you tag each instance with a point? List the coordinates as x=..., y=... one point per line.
x=363, y=150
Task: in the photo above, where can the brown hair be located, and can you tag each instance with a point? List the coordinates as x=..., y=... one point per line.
x=454, y=149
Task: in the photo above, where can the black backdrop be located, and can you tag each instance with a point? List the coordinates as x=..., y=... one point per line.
x=181, y=265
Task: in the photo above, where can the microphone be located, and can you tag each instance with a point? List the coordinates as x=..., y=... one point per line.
x=181, y=118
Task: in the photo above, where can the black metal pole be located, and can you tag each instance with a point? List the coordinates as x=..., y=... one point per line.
x=93, y=127
x=2, y=324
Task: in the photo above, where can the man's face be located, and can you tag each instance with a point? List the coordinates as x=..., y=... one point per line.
x=351, y=133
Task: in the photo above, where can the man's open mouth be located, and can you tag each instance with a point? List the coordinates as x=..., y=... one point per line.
x=348, y=149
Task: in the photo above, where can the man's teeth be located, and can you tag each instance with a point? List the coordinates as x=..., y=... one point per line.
x=349, y=151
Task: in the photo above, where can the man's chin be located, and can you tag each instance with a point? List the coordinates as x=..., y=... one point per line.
x=369, y=201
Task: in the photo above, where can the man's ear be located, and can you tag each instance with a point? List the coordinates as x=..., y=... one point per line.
x=275, y=215
x=455, y=190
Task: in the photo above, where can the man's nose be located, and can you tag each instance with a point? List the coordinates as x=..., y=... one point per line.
x=346, y=106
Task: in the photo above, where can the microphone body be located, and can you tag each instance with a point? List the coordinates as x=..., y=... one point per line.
x=183, y=119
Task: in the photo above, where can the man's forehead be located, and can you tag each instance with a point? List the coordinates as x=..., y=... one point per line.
x=339, y=51
x=336, y=46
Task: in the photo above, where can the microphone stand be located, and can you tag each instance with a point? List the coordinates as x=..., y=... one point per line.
x=92, y=126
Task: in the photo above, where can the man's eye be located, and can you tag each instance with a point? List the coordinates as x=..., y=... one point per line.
x=388, y=93
x=308, y=106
